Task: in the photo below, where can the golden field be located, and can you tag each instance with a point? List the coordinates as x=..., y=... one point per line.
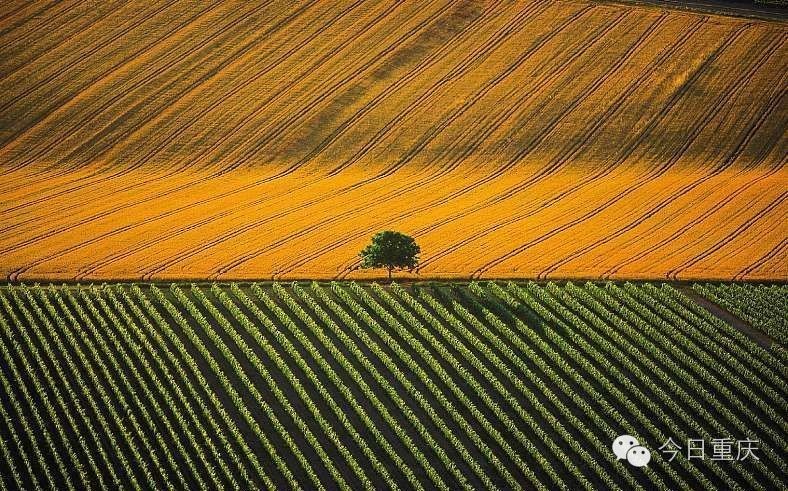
x=550, y=139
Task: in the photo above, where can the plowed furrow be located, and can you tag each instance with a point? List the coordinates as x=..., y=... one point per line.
x=472, y=60
x=349, y=213
x=85, y=56
x=277, y=131
x=238, y=231
x=230, y=27
x=106, y=178
x=777, y=251
x=194, y=161
x=433, y=203
x=674, y=273
x=101, y=174
x=648, y=128
x=258, y=74
x=753, y=128
x=591, y=130
x=736, y=86
x=6, y=29
x=219, y=216
x=66, y=41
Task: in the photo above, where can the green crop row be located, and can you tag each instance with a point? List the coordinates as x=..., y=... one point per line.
x=350, y=386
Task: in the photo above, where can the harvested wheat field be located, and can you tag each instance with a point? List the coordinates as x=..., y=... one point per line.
x=271, y=139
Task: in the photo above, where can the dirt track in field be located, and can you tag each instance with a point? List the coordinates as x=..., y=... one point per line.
x=540, y=139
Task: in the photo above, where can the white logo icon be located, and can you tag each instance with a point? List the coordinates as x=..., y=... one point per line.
x=639, y=456
x=628, y=447
x=622, y=444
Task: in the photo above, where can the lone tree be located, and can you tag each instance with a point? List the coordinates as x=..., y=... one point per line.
x=390, y=250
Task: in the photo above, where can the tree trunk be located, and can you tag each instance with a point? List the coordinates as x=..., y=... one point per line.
x=389, y=268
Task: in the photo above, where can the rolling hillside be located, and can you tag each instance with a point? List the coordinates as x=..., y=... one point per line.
x=271, y=139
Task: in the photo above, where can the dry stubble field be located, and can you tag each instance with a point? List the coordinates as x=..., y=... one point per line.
x=186, y=139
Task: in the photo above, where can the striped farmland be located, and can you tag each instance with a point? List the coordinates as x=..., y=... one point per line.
x=344, y=386
x=271, y=139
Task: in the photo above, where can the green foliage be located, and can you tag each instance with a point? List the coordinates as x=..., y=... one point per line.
x=480, y=386
x=391, y=250
x=764, y=308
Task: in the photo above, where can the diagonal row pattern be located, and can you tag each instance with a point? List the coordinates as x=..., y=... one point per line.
x=343, y=385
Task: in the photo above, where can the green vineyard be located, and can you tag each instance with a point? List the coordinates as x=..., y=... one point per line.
x=361, y=386
x=755, y=304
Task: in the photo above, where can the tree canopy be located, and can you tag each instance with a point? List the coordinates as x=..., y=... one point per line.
x=391, y=250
